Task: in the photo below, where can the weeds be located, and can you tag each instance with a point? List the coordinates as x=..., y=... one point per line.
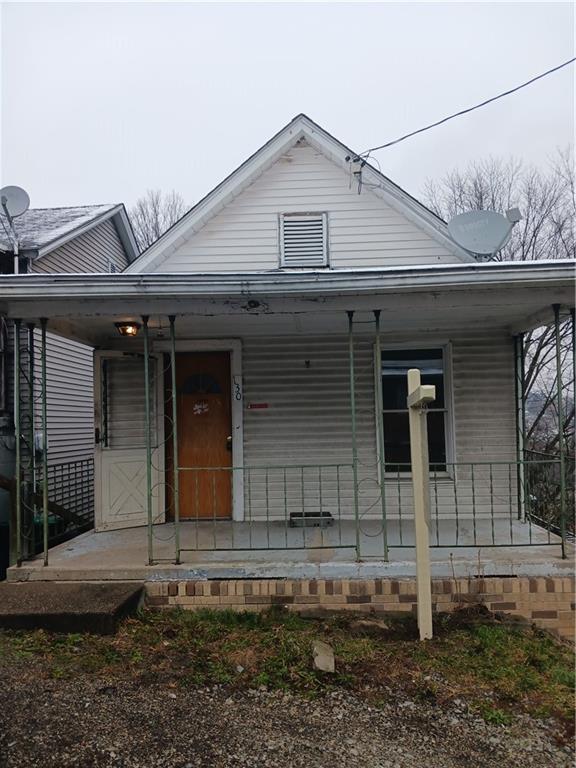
x=499, y=668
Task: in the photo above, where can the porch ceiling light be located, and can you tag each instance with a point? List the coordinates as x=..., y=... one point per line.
x=128, y=328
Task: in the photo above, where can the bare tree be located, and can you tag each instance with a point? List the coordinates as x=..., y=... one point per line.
x=153, y=214
x=547, y=201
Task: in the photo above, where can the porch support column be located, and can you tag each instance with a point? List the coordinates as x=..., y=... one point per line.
x=573, y=345
x=18, y=446
x=561, y=446
x=175, y=462
x=147, y=427
x=31, y=433
x=520, y=423
x=44, y=398
x=353, y=419
x=380, y=428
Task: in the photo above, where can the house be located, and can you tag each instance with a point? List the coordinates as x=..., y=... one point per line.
x=96, y=238
x=250, y=382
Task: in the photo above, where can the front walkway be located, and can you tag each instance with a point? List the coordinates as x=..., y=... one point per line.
x=226, y=550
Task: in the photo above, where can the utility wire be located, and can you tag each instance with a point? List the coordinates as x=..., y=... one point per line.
x=469, y=109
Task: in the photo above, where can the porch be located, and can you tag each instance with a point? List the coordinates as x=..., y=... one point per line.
x=306, y=478
x=232, y=550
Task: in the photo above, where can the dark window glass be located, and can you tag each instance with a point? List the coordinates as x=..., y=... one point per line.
x=395, y=367
x=200, y=384
x=397, y=442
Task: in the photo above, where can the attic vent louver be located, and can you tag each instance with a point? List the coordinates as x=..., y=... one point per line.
x=303, y=239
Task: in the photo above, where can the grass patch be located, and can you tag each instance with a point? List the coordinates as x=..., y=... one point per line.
x=498, y=668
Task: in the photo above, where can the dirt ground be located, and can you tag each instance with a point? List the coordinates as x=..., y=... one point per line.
x=94, y=723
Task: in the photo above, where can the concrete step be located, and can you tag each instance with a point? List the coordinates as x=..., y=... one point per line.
x=68, y=606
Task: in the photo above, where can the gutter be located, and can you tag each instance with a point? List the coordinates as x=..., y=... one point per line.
x=334, y=282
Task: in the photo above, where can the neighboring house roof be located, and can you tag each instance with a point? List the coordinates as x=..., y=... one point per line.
x=300, y=127
x=41, y=230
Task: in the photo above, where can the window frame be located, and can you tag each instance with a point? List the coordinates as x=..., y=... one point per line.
x=449, y=430
x=326, y=260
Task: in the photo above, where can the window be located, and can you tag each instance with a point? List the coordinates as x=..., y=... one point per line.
x=124, y=403
x=395, y=367
x=303, y=240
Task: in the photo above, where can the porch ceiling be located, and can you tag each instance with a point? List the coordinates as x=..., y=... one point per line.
x=513, y=296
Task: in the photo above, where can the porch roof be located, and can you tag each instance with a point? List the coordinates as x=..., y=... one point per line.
x=514, y=295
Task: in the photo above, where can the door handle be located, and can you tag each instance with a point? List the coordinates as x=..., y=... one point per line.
x=229, y=443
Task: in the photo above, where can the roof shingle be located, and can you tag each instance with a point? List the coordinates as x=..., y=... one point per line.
x=40, y=226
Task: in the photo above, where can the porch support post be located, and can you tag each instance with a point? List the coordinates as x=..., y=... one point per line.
x=17, y=539
x=175, y=462
x=31, y=431
x=353, y=418
x=520, y=423
x=380, y=428
x=561, y=445
x=147, y=426
x=43, y=324
x=573, y=345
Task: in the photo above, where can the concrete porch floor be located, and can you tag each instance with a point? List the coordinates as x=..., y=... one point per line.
x=226, y=550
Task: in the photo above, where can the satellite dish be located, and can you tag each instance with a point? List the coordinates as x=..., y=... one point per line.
x=14, y=201
x=483, y=232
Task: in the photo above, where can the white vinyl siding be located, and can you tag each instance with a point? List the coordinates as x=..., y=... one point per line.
x=70, y=390
x=70, y=394
x=363, y=230
x=303, y=239
x=93, y=251
x=312, y=401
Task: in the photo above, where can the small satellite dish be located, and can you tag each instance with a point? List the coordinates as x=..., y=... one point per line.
x=483, y=232
x=14, y=201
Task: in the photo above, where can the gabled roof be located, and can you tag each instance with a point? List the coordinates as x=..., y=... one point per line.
x=300, y=127
x=41, y=230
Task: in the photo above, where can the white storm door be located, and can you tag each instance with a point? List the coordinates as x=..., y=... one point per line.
x=120, y=453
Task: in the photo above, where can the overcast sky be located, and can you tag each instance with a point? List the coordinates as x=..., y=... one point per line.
x=102, y=101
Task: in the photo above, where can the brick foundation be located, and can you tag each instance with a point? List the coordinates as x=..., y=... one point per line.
x=547, y=602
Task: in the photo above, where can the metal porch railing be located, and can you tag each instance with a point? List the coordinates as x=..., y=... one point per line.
x=70, y=504
x=315, y=507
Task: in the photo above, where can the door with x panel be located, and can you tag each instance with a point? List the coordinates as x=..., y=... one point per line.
x=120, y=451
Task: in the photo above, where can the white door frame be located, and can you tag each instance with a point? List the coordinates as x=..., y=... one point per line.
x=234, y=346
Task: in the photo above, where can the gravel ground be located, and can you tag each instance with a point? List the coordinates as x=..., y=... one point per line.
x=92, y=723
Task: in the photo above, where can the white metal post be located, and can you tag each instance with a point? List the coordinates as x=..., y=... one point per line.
x=418, y=396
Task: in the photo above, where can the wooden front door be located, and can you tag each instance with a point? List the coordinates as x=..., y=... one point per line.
x=204, y=434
